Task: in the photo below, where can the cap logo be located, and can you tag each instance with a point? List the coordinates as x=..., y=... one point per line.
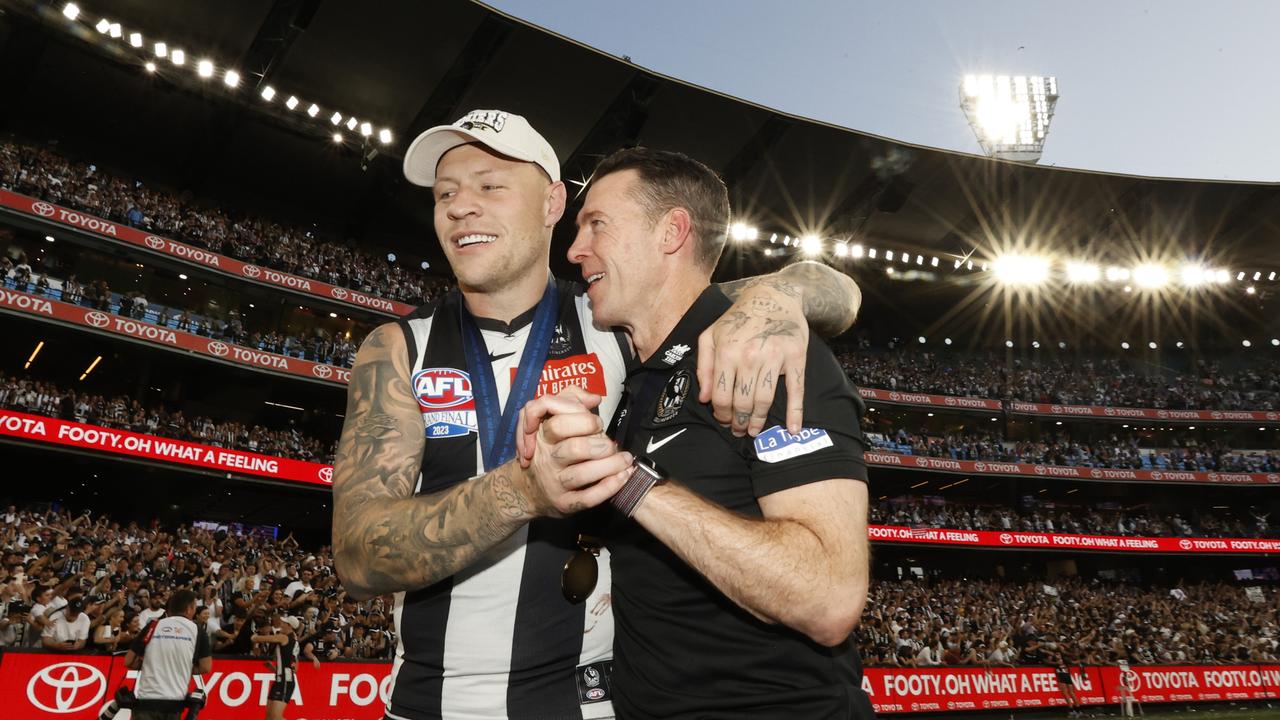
x=491, y=119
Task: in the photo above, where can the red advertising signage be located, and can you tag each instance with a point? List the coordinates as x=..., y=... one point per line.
x=910, y=690
x=43, y=686
x=943, y=401
x=1066, y=541
x=168, y=338
x=199, y=257
x=1114, y=413
x=990, y=467
x=151, y=447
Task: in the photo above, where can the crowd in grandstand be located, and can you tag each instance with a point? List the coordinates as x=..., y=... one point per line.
x=1000, y=623
x=121, y=412
x=1119, y=451
x=1098, y=382
x=319, y=345
x=920, y=512
x=121, y=575
x=43, y=174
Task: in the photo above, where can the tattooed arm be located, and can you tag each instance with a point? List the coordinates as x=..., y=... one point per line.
x=385, y=538
x=764, y=337
x=830, y=298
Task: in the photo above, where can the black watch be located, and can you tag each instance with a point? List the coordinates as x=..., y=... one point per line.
x=645, y=475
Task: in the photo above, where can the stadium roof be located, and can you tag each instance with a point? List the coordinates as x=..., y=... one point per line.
x=408, y=65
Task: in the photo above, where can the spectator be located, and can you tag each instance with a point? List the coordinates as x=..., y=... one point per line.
x=68, y=630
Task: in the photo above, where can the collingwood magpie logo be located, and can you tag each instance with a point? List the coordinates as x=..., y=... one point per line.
x=491, y=119
x=672, y=397
x=561, y=341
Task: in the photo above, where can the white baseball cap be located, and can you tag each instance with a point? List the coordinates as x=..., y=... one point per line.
x=503, y=132
x=292, y=622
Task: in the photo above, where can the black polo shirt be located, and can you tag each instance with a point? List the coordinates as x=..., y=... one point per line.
x=682, y=649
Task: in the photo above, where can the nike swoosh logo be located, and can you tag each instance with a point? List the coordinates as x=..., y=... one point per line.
x=496, y=358
x=651, y=445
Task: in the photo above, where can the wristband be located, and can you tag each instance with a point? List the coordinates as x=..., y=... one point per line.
x=645, y=475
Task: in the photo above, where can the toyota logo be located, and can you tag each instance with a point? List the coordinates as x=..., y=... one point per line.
x=326, y=474
x=1184, y=544
x=1272, y=416
x=893, y=396
x=340, y=293
x=97, y=319
x=1006, y=538
x=252, y=271
x=155, y=243
x=1095, y=473
x=322, y=371
x=219, y=348
x=1040, y=470
x=1131, y=679
x=66, y=679
x=1109, y=411
x=43, y=209
x=1273, y=478
x=1157, y=475
x=1162, y=414
x=949, y=400
x=979, y=467
x=1215, y=415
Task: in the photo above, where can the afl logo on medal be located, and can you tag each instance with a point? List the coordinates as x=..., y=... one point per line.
x=444, y=396
x=672, y=397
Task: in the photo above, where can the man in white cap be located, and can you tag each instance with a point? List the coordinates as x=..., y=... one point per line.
x=486, y=556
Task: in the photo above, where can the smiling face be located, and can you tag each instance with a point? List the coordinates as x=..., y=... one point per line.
x=618, y=247
x=493, y=216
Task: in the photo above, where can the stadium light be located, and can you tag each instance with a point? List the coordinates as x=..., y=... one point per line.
x=71, y=11
x=1116, y=274
x=1081, y=273
x=855, y=251
x=366, y=129
x=1275, y=342
x=1179, y=345
x=268, y=93
x=871, y=253
x=1251, y=290
x=888, y=255
x=1221, y=276
x=1194, y=275
x=204, y=68
x=103, y=26
x=150, y=66
x=921, y=340
x=768, y=252
x=231, y=79
x=946, y=341
x=1035, y=344
x=737, y=231
x=115, y=31
x=1021, y=269
x=337, y=137
x=1124, y=345
x=313, y=111
x=292, y=102
x=1246, y=343
x=162, y=50
x=1150, y=276
x=1008, y=343
x=1240, y=275
x=933, y=262
x=811, y=245
x=135, y=39
x=1152, y=345
x=351, y=123
x=178, y=57
x=1257, y=276
x=1010, y=115
x=335, y=118
x=842, y=250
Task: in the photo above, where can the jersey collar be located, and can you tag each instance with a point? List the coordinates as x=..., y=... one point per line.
x=683, y=340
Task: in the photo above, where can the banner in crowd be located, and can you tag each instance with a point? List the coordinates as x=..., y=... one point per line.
x=1068, y=541
x=38, y=428
x=989, y=467
x=167, y=337
x=199, y=257
x=1130, y=413
x=45, y=686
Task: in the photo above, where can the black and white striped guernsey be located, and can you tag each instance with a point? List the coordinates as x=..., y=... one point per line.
x=498, y=639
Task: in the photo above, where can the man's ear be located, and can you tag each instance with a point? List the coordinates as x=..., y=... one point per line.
x=556, y=199
x=677, y=230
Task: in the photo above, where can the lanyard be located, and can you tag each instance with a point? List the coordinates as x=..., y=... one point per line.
x=496, y=425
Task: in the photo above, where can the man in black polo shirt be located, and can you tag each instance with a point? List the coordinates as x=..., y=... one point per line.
x=740, y=575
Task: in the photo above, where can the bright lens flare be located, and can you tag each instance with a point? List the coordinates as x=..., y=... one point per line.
x=1150, y=276
x=1078, y=272
x=811, y=244
x=1021, y=269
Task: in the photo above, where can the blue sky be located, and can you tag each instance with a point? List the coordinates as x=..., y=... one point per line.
x=1176, y=88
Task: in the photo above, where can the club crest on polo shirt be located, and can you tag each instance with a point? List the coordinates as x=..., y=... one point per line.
x=445, y=399
x=776, y=444
x=671, y=399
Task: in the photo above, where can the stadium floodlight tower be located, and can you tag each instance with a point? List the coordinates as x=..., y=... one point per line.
x=1010, y=114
